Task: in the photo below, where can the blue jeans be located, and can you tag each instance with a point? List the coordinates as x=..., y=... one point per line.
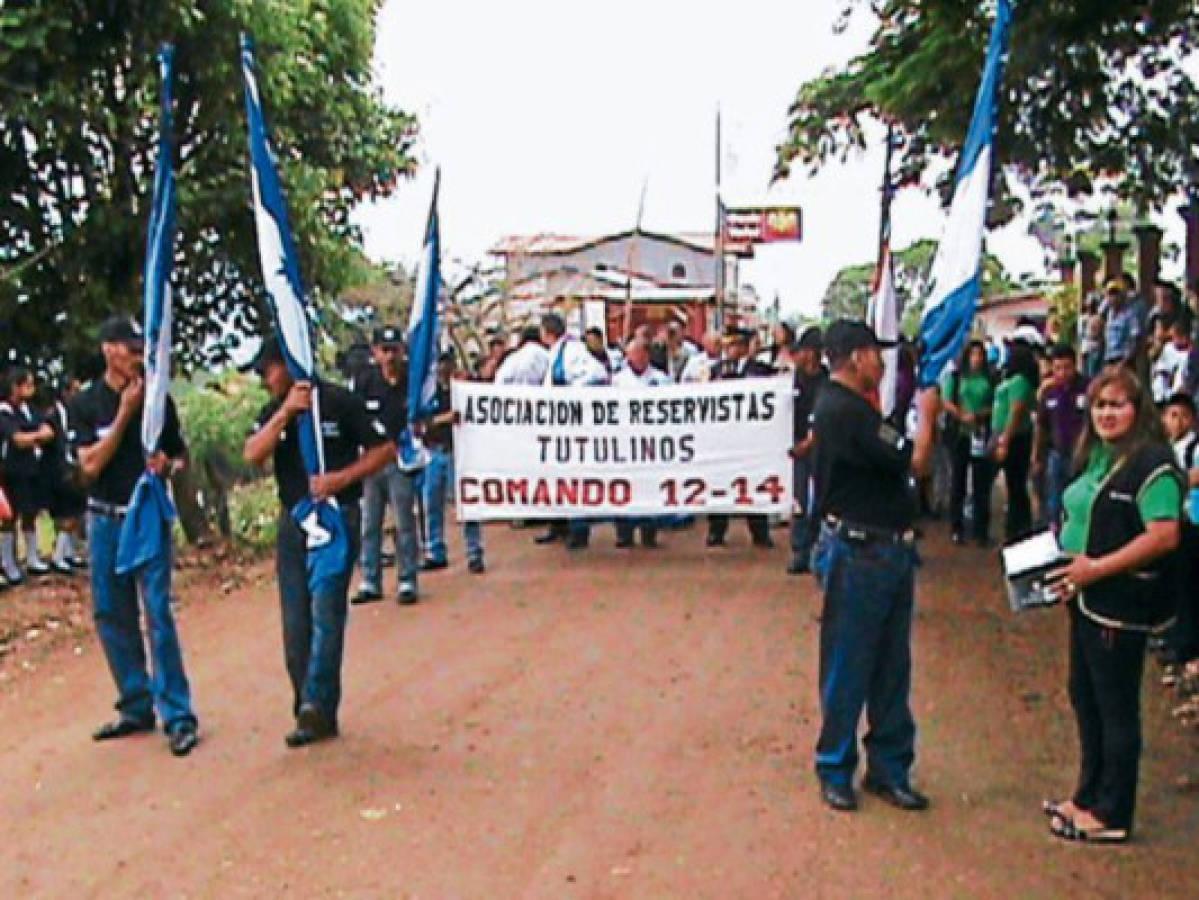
x=439, y=483
x=314, y=626
x=118, y=622
x=390, y=485
x=802, y=522
x=865, y=657
x=1057, y=475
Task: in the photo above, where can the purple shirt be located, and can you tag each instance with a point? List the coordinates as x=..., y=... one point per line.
x=1062, y=411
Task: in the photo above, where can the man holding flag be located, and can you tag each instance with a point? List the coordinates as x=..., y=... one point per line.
x=128, y=504
x=316, y=432
x=355, y=447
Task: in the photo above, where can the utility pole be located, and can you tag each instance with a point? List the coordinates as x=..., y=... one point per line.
x=718, y=244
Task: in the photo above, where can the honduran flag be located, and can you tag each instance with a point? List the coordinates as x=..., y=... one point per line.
x=883, y=317
x=146, y=531
x=422, y=338
x=323, y=525
x=955, y=276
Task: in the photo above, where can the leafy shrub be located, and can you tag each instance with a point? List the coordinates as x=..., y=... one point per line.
x=254, y=511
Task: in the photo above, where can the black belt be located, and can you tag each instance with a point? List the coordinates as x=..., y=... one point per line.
x=110, y=510
x=856, y=533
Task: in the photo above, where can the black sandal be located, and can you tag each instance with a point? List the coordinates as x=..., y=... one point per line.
x=1068, y=830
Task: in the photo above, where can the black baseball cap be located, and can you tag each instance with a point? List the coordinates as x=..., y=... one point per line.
x=811, y=339
x=121, y=330
x=845, y=336
x=270, y=352
x=387, y=336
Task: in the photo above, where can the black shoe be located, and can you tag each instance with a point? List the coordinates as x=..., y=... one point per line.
x=62, y=568
x=122, y=728
x=15, y=580
x=475, y=565
x=183, y=739
x=650, y=543
x=957, y=537
x=550, y=537
x=406, y=595
x=765, y=541
x=311, y=726
x=37, y=570
x=714, y=540
x=838, y=796
x=432, y=565
x=624, y=543
x=78, y=562
x=798, y=566
x=579, y=542
x=367, y=594
x=900, y=796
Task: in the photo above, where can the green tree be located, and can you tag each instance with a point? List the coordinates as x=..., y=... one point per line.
x=78, y=122
x=849, y=292
x=1092, y=86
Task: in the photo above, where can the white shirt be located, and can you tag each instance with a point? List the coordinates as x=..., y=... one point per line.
x=526, y=365
x=576, y=363
x=651, y=377
x=699, y=368
x=1168, y=370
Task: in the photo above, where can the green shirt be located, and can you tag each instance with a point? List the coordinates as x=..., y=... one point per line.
x=973, y=396
x=1160, y=499
x=1016, y=389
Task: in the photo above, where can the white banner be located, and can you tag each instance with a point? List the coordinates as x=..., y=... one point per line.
x=535, y=452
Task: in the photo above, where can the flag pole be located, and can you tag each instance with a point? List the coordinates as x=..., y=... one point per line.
x=888, y=193
x=718, y=245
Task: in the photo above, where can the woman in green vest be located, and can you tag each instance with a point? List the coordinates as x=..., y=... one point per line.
x=1122, y=513
x=969, y=392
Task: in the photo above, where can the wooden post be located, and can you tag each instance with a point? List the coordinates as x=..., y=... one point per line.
x=1149, y=249
x=1088, y=270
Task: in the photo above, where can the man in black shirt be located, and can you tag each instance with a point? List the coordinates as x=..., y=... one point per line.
x=355, y=446
x=810, y=374
x=105, y=429
x=383, y=388
x=738, y=363
x=865, y=559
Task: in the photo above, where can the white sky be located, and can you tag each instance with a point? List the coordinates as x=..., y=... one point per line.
x=547, y=116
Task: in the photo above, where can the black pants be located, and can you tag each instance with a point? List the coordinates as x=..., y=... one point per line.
x=1018, y=522
x=759, y=528
x=625, y=529
x=1106, y=665
x=979, y=467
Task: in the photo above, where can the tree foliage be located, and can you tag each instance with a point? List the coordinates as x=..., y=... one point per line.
x=1092, y=88
x=849, y=292
x=78, y=124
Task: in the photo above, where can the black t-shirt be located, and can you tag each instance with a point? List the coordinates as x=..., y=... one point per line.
x=347, y=429
x=19, y=462
x=384, y=401
x=804, y=391
x=863, y=465
x=91, y=416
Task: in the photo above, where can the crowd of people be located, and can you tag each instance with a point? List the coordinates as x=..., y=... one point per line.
x=1094, y=435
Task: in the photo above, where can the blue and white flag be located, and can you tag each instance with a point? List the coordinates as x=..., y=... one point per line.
x=328, y=543
x=146, y=531
x=955, y=276
x=422, y=338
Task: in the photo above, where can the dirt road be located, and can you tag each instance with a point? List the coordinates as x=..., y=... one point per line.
x=607, y=724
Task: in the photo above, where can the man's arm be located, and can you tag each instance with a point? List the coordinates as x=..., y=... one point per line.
x=93, y=458
x=261, y=444
x=373, y=460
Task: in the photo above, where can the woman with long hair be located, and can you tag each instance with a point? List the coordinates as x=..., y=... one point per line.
x=1122, y=512
x=969, y=392
x=1011, y=425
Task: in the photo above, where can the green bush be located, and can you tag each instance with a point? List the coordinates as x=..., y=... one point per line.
x=254, y=511
x=216, y=416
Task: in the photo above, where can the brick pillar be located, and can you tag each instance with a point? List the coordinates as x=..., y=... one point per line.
x=1113, y=259
x=1149, y=253
x=1088, y=270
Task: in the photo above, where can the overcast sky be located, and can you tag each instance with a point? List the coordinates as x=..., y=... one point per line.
x=547, y=116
